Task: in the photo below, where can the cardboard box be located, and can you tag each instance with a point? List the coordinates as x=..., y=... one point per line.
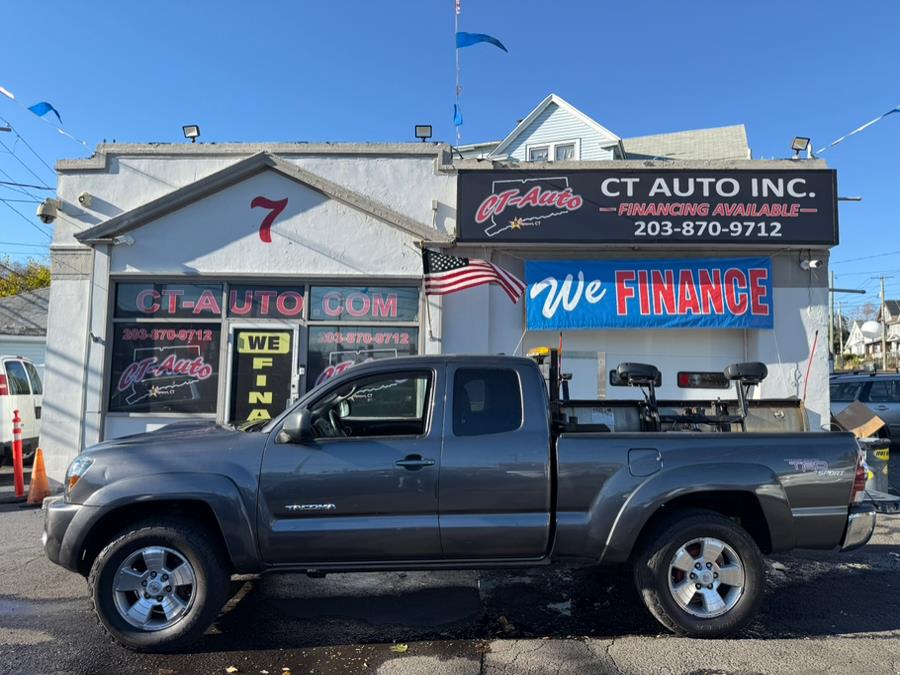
x=859, y=420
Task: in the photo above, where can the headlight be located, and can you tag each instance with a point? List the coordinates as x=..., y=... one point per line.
x=76, y=470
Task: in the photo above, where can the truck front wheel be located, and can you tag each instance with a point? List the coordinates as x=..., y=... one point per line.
x=159, y=585
x=700, y=574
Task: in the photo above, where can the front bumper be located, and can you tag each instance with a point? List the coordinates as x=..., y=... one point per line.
x=58, y=515
x=860, y=526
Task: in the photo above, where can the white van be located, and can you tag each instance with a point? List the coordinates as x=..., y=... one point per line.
x=20, y=389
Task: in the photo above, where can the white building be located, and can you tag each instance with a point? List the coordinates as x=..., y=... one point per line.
x=220, y=281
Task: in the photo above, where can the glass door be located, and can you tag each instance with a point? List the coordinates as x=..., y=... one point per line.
x=264, y=375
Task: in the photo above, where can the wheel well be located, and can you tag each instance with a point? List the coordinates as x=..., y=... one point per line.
x=740, y=506
x=105, y=529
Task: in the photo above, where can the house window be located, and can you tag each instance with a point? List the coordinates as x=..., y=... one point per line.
x=562, y=151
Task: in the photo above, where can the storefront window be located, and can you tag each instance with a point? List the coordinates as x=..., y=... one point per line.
x=369, y=303
x=170, y=367
x=334, y=349
x=266, y=302
x=164, y=300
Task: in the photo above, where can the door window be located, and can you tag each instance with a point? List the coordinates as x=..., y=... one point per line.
x=394, y=404
x=884, y=391
x=36, y=385
x=486, y=401
x=17, y=379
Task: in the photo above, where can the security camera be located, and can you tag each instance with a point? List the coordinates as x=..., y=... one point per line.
x=47, y=211
x=811, y=264
x=85, y=199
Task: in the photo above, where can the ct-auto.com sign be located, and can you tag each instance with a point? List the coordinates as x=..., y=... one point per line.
x=778, y=208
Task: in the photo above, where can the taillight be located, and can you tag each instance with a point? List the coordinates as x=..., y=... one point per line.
x=859, y=480
x=4, y=387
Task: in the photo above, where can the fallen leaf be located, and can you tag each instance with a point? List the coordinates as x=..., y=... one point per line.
x=399, y=649
x=231, y=669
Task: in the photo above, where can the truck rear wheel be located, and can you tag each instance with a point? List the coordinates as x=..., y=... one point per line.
x=158, y=586
x=700, y=574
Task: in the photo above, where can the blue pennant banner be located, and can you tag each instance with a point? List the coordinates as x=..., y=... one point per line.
x=42, y=108
x=468, y=39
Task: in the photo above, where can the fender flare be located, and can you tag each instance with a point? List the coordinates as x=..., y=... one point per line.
x=663, y=487
x=218, y=492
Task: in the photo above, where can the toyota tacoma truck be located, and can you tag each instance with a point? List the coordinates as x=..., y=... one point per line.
x=458, y=462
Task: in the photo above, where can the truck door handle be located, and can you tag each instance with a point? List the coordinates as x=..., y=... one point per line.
x=881, y=407
x=414, y=462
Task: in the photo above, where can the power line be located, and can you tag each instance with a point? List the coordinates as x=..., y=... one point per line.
x=23, y=185
x=22, y=162
x=20, y=137
x=27, y=219
x=21, y=243
x=865, y=257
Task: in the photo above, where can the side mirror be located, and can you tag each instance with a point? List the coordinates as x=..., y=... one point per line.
x=297, y=427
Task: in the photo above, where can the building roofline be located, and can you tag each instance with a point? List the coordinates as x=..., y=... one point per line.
x=565, y=105
x=239, y=171
x=99, y=160
x=688, y=131
x=623, y=164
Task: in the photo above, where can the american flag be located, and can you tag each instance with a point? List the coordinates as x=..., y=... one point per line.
x=449, y=273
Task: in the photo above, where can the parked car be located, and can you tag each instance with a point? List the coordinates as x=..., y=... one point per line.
x=20, y=389
x=449, y=462
x=879, y=391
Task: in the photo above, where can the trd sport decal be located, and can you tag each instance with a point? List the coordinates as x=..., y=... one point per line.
x=276, y=206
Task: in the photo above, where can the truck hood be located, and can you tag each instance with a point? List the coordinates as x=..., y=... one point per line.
x=185, y=431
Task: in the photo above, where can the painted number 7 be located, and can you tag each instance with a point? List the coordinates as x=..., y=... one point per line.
x=276, y=206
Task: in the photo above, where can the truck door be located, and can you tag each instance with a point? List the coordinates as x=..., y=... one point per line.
x=366, y=487
x=494, y=498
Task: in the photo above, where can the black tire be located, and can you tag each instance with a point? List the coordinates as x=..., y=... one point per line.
x=651, y=566
x=194, y=543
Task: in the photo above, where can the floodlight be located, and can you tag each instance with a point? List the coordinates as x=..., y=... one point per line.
x=423, y=132
x=191, y=131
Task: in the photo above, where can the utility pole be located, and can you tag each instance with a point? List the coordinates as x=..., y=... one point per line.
x=883, y=327
x=840, y=354
x=831, y=321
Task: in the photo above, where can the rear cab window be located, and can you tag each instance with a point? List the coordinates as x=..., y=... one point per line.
x=845, y=392
x=486, y=401
x=16, y=379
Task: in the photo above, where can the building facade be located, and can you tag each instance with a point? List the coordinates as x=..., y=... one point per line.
x=222, y=281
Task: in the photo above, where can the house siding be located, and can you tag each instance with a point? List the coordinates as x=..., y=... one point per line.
x=554, y=125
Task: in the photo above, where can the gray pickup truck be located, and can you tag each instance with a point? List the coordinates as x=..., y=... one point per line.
x=452, y=462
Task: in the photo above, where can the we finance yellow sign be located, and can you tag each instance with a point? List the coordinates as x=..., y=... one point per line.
x=266, y=342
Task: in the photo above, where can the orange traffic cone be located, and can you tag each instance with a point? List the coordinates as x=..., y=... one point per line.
x=40, y=486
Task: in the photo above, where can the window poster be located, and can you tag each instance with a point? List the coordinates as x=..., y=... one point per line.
x=334, y=349
x=164, y=368
x=262, y=366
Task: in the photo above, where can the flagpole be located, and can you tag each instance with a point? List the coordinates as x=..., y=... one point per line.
x=457, y=9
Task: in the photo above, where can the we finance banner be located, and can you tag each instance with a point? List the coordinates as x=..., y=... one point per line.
x=695, y=293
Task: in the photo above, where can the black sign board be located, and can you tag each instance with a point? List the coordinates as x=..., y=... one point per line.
x=164, y=368
x=261, y=373
x=653, y=206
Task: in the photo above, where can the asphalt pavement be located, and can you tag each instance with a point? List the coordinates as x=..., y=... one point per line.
x=824, y=612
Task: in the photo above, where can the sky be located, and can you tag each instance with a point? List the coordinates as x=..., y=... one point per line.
x=361, y=70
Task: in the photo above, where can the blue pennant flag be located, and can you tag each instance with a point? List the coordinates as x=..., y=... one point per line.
x=457, y=116
x=469, y=39
x=42, y=108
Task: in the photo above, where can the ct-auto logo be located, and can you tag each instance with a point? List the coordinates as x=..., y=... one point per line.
x=529, y=201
